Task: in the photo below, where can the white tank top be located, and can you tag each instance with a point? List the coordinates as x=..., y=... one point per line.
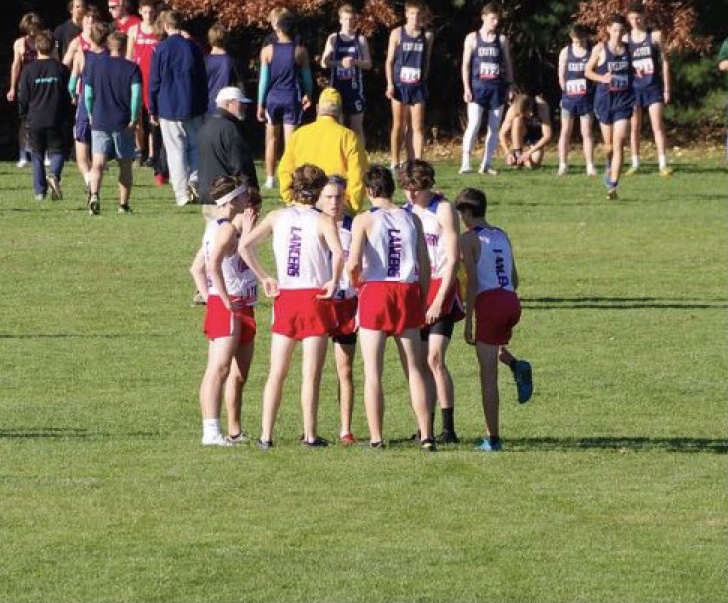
x=345, y=290
x=302, y=260
x=495, y=264
x=433, y=233
x=239, y=278
x=390, y=253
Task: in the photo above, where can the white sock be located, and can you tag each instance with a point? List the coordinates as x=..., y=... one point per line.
x=662, y=160
x=563, y=166
x=635, y=161
x=87, y=178
x=210, y=428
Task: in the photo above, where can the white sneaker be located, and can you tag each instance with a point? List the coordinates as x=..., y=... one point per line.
x=269, y=182
x=183, y=201
x=47, y=161
x=217, y=440
x=563, y=170
x=591, y=171
x=22, y=163
x=465, y=169
x=486, y=169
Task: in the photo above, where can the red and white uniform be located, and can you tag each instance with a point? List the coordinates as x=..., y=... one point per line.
x=241, y=285
x=303, y=265
x=390, y=298
x=126, y=24
x=142, y=52
x=432, y=230
x=497, y=307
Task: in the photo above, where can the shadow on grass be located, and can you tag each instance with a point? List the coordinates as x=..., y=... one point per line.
x=80, y=335
x=620, y=303
x=624, y=444
x=49, y=432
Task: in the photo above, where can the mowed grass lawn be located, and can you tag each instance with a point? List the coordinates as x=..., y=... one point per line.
x=613, y=485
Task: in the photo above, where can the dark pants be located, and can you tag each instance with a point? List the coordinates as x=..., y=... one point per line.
x=46, y=140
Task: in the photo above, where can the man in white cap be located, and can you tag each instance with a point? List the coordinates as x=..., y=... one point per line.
x=327, y=144
x=222, y=147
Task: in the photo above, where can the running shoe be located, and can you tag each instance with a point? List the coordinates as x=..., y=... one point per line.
x=265, y=444
x=316, y=443
x=428, y=445
x=487, y=446
x=523, y=377
x=348, y=439
x=55, y=187
x=448, y=437
x=241, y=438
x=217, y=440
x=94, y=205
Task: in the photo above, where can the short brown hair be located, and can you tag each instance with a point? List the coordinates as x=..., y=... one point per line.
x=30, y=24
x=308, y=182
x=117, y=41
x=44, y=42
x=416, y=175
x=490, y=9
x=99, y=33
x=217, y=35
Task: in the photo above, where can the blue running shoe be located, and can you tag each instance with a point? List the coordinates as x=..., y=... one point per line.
x=487, y=446
x=523, y=377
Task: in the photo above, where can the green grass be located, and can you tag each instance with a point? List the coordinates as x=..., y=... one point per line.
x=613, y=486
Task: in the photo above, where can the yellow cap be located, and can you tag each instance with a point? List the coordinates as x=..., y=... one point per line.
x=330, y=99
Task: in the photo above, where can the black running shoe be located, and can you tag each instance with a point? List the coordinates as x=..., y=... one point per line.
x=448, y=437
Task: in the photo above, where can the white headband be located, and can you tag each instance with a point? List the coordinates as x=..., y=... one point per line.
x=241, y=190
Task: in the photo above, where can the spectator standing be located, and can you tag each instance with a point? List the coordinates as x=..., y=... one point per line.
x=723, y=67
x=285, y=89
x=222, y=147
x=123, y=19
x=24, y=52
x=346, y=55
x=71, y=27
x=329, y=145
x=177, y=102
x=112, y=93
x=219, y=66
x=45, y=106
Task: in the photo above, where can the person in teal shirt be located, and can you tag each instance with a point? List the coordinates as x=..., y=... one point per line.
x=723, y=66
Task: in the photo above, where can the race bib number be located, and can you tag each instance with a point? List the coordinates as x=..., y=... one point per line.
x=344, y=74
x=489, y=71
x=576, y=87
x=619, y=82
x=410, y=75
x=643, y=67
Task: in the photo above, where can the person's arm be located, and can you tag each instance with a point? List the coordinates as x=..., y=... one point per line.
x=450, y=224
x=465, y=67
x=88, y=100
x=364, y=62
x=665, y=62
x=593, y=62
x=304, y=62
x=263, y=82
x=723, y=56
x=508, y=64
x=469, y=250
x=505, y=131
x=423, y=260
x=70, y=53
x=357, y=163
x=544, y=116
x=389, y=62
x=223, y=246
x=330, y=234
x=133, y=33
x=248, y=249
x=15, y=69
x=563, y=56
x=136, y=103
x=23, y=95
x=197, y=270
x=356, y=249
x=327, y=58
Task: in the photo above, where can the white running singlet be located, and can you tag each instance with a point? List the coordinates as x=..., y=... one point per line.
x=239, y=278
x=390, y=253
x=495, y=264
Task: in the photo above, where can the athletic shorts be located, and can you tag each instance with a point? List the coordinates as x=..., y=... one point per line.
x=114, y=145
x=298, y=314
x=283, y=112
x=391, y=308
x=490, y=97
x=82, y=131
x=345, y=313
x=452, y=311
x=576, y=107
x=353, y=101
x=497, y=311
x=609, y=113
x=644, y=97
x=221, y=322
x=412, y=94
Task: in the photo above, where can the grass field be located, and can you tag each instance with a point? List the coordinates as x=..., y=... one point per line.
x=613, y=485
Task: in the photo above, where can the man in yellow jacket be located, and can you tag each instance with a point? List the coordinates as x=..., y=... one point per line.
x=329, y=145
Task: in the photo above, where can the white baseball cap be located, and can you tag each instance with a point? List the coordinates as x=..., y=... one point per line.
x=231, y=93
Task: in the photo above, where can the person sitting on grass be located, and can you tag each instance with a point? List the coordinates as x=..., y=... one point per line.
x=490, y=297
x=229, y=289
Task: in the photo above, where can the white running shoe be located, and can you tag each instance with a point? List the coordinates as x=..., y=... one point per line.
x=22, y=163
x=217, y=440
x=486, y=169
x=563, y=170
x=269, y=182
x=465, y=169
x=591, y=171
